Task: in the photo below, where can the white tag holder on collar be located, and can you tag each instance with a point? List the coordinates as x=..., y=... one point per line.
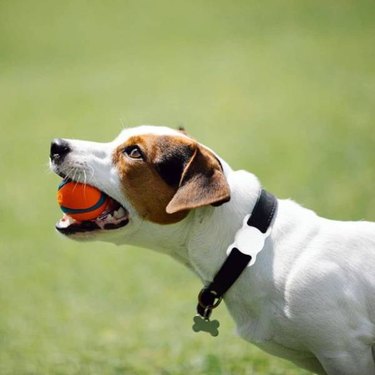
x=249, y=240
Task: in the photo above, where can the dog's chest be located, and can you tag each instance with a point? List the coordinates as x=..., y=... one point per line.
x=257, y=304
x=260, y=319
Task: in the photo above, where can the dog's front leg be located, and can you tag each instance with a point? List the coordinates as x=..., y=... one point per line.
x=357, y=362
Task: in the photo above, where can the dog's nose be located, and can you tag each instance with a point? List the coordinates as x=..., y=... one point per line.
x=59, y=149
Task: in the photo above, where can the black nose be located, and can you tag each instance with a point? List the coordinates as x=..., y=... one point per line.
x=59, y=149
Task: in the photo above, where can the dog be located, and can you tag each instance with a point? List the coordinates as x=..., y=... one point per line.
x=310, y=295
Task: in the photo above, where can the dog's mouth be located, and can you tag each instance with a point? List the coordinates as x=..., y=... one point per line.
x=114, y=216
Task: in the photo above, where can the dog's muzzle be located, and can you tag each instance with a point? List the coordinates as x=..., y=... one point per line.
x=114, y=216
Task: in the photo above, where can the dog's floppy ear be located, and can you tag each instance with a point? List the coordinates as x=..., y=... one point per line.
x=202, y=183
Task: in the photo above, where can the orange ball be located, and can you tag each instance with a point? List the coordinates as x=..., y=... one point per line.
x=80, y=201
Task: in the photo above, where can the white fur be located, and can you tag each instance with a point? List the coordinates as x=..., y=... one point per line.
x=310, y=296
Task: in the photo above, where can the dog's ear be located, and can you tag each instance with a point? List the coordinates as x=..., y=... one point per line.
x=202, y=183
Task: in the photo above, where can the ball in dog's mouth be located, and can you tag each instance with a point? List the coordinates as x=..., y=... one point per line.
x=113, y=217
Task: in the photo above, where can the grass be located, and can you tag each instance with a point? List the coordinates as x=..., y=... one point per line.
x=282, y=88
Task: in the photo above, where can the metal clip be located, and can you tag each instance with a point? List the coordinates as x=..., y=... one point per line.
x=213, y=294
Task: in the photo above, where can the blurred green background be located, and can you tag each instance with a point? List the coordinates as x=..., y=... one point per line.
x=285, y=89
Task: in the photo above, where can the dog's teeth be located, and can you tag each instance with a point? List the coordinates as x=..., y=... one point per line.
x=66, y=221
x=119, y=213
x=69, y=220
x=103, y=216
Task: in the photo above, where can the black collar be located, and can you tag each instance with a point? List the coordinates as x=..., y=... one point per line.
x=236, y=262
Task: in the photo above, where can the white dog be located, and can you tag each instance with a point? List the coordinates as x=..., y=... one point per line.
x=309, y=297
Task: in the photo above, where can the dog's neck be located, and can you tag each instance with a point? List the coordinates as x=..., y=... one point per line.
x=201, y=239
x=214, y=229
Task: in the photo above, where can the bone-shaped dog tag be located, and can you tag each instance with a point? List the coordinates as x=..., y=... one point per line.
x=206, y=325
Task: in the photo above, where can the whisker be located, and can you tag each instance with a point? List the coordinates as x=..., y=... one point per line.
x=84, y=182
x=92, y=171
x=69, y=173
x=48, y=168
x=74, y=178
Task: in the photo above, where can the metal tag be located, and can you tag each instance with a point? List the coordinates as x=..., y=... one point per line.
x=206, y=325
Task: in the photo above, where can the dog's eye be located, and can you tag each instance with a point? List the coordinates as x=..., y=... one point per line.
x=133, y=152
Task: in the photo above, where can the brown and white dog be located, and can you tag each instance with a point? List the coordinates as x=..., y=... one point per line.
x=310, y=296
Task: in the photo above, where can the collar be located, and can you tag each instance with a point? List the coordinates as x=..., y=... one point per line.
x=249, y=241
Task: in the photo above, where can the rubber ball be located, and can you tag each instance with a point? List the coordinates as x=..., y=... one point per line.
x=80, y=201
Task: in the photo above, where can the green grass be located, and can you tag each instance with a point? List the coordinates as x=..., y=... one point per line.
x=285, y=89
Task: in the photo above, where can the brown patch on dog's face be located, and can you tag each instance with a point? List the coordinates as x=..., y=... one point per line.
x=165, y=176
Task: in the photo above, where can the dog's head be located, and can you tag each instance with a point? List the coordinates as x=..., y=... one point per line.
x=153, y=174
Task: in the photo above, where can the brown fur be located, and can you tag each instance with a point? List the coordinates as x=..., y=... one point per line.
x=200, y=181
